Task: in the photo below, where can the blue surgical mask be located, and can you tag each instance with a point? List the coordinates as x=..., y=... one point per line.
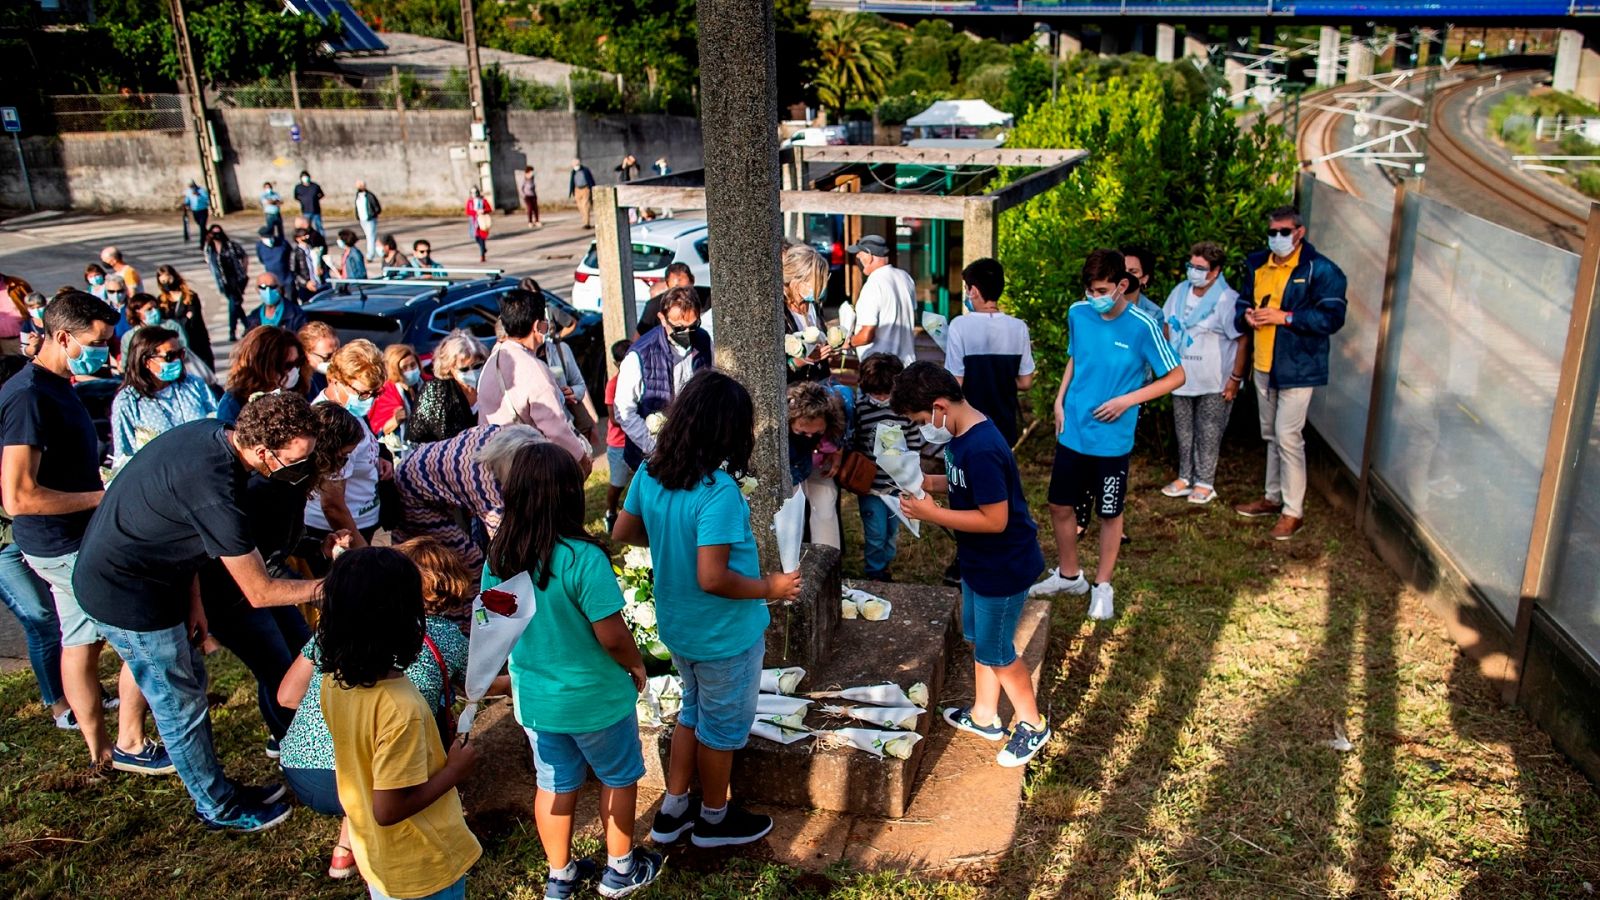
x=89, y=359
x=809, y=299
x=413, y=377
x=37, y=315
x=469, y=377
x=358, y=406
x=1280, y=244
x=97, y=280
x=1197, y=276
x=171, y=371
x=936, y=434
x=271, y=296
x=152, y=316
x=966, y=300
x=1102, y=305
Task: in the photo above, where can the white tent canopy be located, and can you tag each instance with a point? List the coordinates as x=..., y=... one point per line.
x=960, y=114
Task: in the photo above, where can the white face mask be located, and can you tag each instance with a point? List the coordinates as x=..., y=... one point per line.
x=1197, y=277
x=322, y=368
x=290, y=379
x=936, y=434
x=1280, y=244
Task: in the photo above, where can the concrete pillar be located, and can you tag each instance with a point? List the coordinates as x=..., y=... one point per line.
x=1068, y=44
x=1359, y=64
x=1589, y=76
x=1328, y=57
x=1166, y=43
x=1195, y=45
x=739, y=125
x=1569, y=58
x=617, y=303
x=1238, y=79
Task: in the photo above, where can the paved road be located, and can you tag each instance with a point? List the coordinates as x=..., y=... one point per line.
x=50, y=249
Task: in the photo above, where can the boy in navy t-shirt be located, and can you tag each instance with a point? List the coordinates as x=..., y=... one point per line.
x=997, y=545
x=1110, y=344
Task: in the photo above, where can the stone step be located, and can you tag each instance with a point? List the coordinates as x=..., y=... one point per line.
x=914, y=645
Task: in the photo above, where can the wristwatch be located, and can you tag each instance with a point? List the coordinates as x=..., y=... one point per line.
x=1288, y=318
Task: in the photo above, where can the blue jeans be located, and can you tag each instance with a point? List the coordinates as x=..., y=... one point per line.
x=880, y=536
x=989, y=624
x=719, y=696
x=28, y=597
x=457, y=891
x=172, y=676
x=562, y=762
x=316, y=221
x=316, y=789
x=267, y=642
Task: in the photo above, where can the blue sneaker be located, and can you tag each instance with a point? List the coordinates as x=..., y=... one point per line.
x=247, y=817
x=150, y=760
x=646, y=867
x=1025, y=744
x=563, y=888
x=259, y=795
x=961, y=717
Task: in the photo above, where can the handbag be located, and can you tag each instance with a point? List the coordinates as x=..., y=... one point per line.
x=445, y=715
x=856, y=472
x=485, y=221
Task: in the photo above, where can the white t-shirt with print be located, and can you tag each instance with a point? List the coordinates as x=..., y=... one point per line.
x=360, y=477
x=888, y=303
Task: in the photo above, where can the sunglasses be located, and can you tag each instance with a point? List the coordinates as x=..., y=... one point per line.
x=1280, y=232
x=169, y=356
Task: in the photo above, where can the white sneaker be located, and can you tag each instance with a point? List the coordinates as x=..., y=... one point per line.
x=1056, y=583
x=1100, y=606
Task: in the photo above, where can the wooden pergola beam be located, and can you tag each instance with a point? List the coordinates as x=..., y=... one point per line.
x=939, y=156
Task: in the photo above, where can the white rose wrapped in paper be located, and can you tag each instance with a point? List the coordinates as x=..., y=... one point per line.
x=903, y=717
x=848, y=609
x=781, y=681
x=654, y=422
x=919, y=694
x=880, y=694
x=897, y=744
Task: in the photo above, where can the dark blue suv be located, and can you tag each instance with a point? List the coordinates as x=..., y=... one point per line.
x=421, y=312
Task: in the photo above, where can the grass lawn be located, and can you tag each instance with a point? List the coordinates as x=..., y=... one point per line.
x=1191, y=754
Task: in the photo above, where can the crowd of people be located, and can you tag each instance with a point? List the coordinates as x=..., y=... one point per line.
x=353, y=483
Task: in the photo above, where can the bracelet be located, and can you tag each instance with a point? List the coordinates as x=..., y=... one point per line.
x=1238, y=378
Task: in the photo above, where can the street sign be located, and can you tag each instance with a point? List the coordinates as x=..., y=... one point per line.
x=294, y=133
x=8, y=115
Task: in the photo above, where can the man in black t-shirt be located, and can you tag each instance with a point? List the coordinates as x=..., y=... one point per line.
x=51, y=496
x=178, y=503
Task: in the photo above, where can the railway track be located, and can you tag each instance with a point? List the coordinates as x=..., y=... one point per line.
x=1452, y=155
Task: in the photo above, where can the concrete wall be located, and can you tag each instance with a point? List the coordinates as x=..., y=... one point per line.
x=413, y=160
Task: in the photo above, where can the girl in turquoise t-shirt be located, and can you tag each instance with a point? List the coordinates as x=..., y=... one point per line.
x=685, y=505
x=575, y=672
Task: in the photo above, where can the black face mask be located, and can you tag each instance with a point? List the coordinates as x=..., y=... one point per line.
x=805, y=442
x=293, y=474
x=683, y=335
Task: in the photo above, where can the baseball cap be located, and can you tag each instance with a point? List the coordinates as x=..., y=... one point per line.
x=872, y=244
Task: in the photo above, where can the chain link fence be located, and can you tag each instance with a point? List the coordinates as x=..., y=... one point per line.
x=330, y=92
x=117, y=112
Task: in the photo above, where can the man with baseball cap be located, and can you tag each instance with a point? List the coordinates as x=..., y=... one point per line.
x=886, y=307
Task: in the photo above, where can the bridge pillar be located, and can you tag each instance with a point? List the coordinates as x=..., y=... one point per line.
x=1068, y=44
x=1194, y=44
x=1577, y=67
x=1328, y=57
x=1359, y=64
x=1166, y=43
x=1238, y=79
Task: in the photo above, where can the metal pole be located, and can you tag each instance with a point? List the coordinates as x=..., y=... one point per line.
x=1055, y=61
x=1398, y=247
x=197, y=107
x=1569, y=431
x=23, y=163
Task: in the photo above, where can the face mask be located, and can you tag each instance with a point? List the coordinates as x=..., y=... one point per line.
x=936, y=434
x=268, y=241
x=1197, y=277
x=89, y=359
x=97, y=280
x=805, y=442
x=290, y=379
x=293, y=473
x=322, y=368
x=966, y=300
x=683, y=337
x=359, y=406
x=171, y=371
x=1280, y=244
x=164, y=285
x=1102, y=305
x=114, y=297
x=152, y=316
x=305, y=179
x=342, y=243
x=271, y=296
x=809, y=299
x=413, y=377
x=469, y=377
x=37, y=315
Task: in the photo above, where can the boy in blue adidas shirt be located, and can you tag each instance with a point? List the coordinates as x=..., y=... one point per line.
x=997, y=546
x=1110, y=344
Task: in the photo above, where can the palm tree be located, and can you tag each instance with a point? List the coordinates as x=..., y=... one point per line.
x=854, y=60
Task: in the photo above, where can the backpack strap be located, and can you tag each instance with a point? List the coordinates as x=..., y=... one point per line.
x=447, y=694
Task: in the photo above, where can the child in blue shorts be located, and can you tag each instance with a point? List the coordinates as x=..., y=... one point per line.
x=575, y=672
x=997, y=545
x=711, y=611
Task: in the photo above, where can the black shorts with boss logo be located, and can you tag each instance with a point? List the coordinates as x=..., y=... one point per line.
x=1083, y=482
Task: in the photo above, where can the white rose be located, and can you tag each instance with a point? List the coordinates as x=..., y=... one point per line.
x=836, y=337
x=644, y=615
x=919, y=694
x=794, y=345
x=899, y=748
x=811, y=335
x=847, y=609
x=789, y=680
x=875, y=610
x=637, y=558
x=654, y=422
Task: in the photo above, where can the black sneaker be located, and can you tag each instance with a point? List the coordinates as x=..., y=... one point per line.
x=737, y=827
x=273, y=752
x=666, y=829
x=259, y=795
x=646, y=866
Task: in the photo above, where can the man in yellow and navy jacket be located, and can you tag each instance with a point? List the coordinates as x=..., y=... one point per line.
x=1291, y=299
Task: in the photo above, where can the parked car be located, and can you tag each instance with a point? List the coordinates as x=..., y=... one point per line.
x=826, y=136
x=656, y=245
x=421, y=314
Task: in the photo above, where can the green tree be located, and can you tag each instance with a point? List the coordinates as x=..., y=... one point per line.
x=231, y=41
x=1160, y=172
x=854, y=61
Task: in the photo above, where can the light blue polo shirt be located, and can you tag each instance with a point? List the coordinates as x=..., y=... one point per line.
x=692, y=623
x=1108, y=360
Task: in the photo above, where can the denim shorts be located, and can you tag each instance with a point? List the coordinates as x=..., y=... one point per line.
x=561, y=762
x=719, y=696
x=316, y=789
x=989, y=624
x=77, y=629
x=621, y=474
x=457, y=891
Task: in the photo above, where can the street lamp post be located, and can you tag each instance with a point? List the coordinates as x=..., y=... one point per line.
x=1051, y=36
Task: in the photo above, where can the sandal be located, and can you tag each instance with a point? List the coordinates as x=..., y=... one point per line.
x=1202, y=495
x=343, y=862
x=1178, y=488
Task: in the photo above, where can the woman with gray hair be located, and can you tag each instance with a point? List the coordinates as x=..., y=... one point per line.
x=448, y=403
x=446, y=486
x=805, y=281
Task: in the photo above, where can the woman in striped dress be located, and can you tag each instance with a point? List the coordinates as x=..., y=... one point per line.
x=449, y=488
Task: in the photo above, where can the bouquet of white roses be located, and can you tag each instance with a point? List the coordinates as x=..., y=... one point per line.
x=879, y=743
x=858, y=604
x=636, y=577
x=781, y=681
x=902, y=717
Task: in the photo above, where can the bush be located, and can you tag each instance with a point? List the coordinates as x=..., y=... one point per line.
x=1161, y=172
x=1589, y=181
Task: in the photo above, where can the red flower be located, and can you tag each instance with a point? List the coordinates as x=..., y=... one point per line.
x=500, y=602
